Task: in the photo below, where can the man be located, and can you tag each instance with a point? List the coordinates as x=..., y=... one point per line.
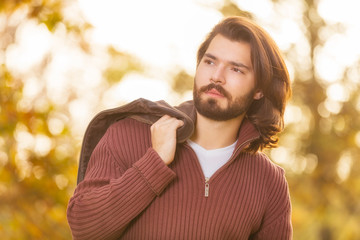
x=142, y=184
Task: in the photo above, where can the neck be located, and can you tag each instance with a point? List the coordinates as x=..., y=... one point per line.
x=212, y=134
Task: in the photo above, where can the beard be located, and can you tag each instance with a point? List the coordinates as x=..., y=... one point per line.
x=210, y=108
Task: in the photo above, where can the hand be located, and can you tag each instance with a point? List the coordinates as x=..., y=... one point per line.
x=163, y=137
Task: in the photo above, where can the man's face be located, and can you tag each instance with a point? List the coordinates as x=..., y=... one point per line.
x=224, y=81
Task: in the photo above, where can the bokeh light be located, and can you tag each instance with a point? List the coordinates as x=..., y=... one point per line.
x=64, y=61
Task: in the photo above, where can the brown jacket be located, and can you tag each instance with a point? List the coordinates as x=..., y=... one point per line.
x=142, y=110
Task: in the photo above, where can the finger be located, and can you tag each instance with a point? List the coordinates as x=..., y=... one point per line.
x=167, y=122
x=173, y=123
x=180, y=123
x=161, y=120
x=164, y=118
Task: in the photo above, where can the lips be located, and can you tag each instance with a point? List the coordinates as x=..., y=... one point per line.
x=214, y=92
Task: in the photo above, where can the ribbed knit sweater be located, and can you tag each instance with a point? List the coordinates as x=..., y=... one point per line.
x=129, y=193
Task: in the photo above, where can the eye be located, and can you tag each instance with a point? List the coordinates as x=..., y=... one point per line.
x=238, y=70
x=208, y=61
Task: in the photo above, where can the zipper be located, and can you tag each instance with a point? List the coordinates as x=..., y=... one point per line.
x=207, y=186
x=207, y=180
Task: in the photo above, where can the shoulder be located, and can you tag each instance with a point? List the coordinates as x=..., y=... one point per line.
x=127, y=122
x=270, y=165
x=269, y=174
x=128, y=138
x=263, y=164
x=128, y=128
x=277, y=188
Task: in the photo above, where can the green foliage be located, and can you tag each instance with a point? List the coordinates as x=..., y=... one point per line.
x=120, y=65
x=331, y=205
x=8, y=6
x=34, y=184
x=39, y=151
x=229, y=8
x=37, y=165
x=182, y=82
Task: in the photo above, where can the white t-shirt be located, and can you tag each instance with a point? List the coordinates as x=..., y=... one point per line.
x=212, y=160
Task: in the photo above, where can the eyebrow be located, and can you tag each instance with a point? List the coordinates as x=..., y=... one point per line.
x=237, y=64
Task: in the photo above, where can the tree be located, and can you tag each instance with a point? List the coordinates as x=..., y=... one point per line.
x=327, y=194
x=39, y=141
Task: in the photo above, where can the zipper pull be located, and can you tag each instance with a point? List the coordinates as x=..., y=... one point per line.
x=206, y=187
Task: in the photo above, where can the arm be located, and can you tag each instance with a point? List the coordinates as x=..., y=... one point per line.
x=113, y=194
x=276, y=222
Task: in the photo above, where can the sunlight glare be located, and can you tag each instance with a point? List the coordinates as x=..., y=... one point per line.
x=63, y=151
x=281, y=155
x=134, y=86
x=61, y=181
x=293, y=114
x=55, y=125
x=341, y=49
x=38, y=172
x=33, y=41
x=299, y=164
x=157, y=32
x=299, y=116
x=80, y=113
x=323, y=111
x=333, y=106
x=2, y=56
x=4, y=189
x=344, y=166
x=43, y=144
x=23, y=165
x=338, y=92
x=357, y=139
x=326, y=66
x=266, y=9
x=346, y=11
x=357, y=104
x=3, y=159
x=291, y=34
x=24, y=139
x=32, y=87
x=311, y=163
x=339, y=125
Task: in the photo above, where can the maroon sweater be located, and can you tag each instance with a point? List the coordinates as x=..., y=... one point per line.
x=129, y=193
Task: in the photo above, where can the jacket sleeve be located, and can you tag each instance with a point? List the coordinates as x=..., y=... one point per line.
x=276, y=223
x=112, y=194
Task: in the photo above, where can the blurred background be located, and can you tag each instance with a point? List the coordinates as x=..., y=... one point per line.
x=62, y=61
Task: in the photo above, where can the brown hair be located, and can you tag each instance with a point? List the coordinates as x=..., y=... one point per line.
x=271, y=77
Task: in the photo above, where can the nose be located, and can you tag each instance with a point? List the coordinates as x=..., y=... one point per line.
x=218, y=75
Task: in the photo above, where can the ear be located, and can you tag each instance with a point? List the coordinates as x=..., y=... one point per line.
x=258, y=94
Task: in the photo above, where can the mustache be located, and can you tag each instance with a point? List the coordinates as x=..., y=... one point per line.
x=219, y=88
